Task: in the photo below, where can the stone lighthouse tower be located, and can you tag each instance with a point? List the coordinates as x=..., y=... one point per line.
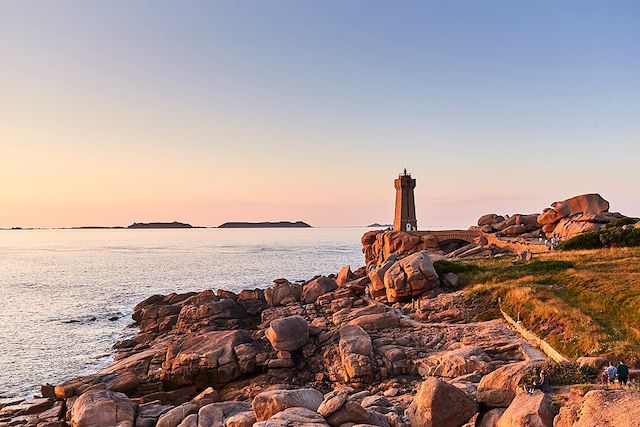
x=405, y=217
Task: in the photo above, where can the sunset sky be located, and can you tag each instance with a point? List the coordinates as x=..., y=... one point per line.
x=212, y=111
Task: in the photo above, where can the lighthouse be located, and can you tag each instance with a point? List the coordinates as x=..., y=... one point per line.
x=405, y=215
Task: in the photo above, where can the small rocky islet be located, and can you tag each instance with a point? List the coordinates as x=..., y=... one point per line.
x=390, y=344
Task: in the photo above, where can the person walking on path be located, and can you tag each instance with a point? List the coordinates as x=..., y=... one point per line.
x=604, y=379
x=623, y=373
x=611, y=373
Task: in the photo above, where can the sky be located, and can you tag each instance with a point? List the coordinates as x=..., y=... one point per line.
x=214, y=111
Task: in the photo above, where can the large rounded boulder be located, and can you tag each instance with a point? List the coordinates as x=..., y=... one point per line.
x=411, y=276
x=576, y=215
x=498, y=388
x=103, y=408
x=489, y=219
x=295, y=417
x=268, y=403
x=205, y=359
x=440, y=404
x=457, y=362
x=288, y=333
x=376, y=276
x=356, y=353
x=282, y=293
x=528, y=410
x=319, y=286
x=620, y=408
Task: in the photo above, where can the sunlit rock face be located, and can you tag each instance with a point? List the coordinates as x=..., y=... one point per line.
x=377, y=246
x=588, y=212
x=564, y=219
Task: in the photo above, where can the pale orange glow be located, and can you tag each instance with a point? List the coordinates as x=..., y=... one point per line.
x=254, y=116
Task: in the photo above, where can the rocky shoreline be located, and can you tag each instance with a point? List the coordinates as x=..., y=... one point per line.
x=393, y=344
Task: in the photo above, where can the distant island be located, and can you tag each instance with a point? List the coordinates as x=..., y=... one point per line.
x=376, y=225
x=279, y=224
x=96, y=227
x=174, y=224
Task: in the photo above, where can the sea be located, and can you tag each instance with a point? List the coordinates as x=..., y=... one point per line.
x=66, y=296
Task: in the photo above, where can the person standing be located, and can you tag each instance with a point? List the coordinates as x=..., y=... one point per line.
x=543, y=382
x=623, y=373
x=611, y=373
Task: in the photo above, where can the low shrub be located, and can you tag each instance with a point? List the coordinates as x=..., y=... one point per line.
x=590, y=240
x=622, y=221
x=605, y=238
x=609, y=236
x=631, y=238
x=567, y=373
x=570, y=373
x=590, y=373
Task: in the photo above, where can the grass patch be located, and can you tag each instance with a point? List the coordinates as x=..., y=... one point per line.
x=581, y=302
x=543, y=266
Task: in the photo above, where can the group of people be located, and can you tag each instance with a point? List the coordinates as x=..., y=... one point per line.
x=609, y=375
x=542, y=383
x=611, y=372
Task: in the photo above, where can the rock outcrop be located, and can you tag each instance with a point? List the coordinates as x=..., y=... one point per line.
x=345, y=275
x=316, y=354
x=586, y=204
x=204, y=359
x=508, y=225
x=288, y=333
x=380, y=246
x=620, y=408
x=399, y=279
x=103, y=408
x=440, y=404
x=498, y=389
x=320, y=286
x=528, y=410
x=410, y=276
x=456, y=363
x=579, y=214
x=283, y=293
x=356, y=353
x=564, y=219
x=268, y=403
x=294, y=417
x=237, y=414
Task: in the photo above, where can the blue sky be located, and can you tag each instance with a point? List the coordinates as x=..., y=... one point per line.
x=252, y=110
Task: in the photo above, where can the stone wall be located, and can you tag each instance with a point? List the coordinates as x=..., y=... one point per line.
x=551, y=352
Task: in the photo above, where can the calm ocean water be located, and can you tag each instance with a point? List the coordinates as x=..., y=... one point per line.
x=60, y=288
